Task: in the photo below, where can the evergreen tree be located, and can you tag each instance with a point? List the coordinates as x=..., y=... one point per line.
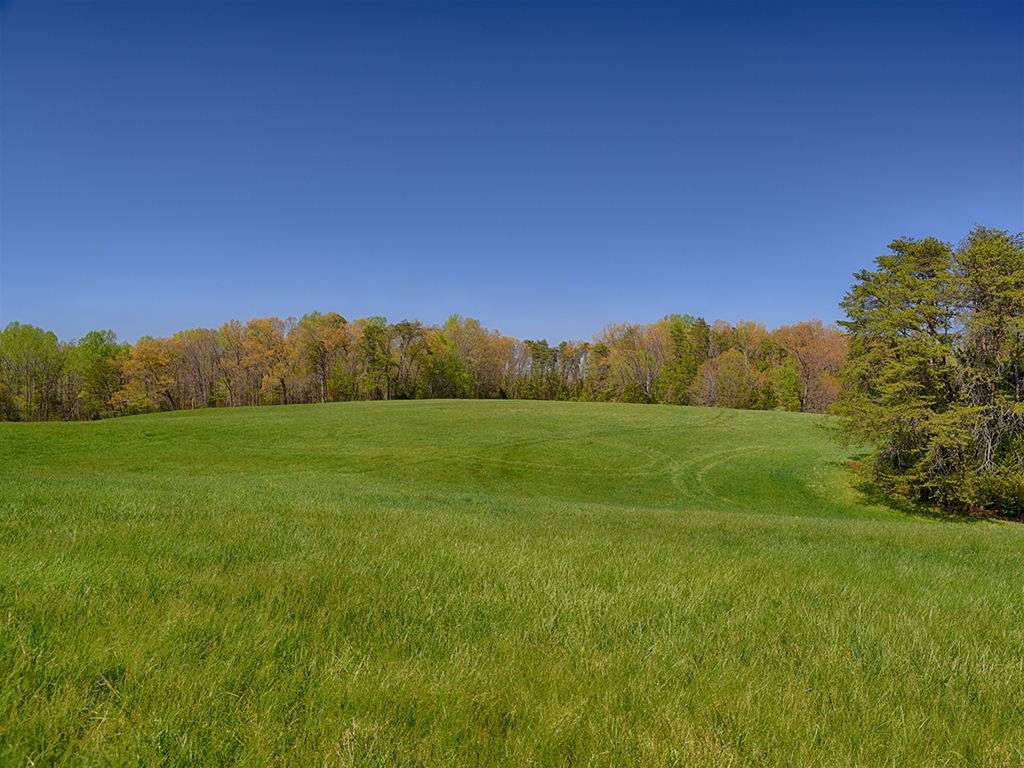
x=933, y=375
x=683, y=360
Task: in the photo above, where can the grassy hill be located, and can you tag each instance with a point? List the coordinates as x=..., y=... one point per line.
x=489, y=583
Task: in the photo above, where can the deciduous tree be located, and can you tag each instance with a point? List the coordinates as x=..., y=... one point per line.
x=323, y=340
x=727, y=381
x=819, y=352
x=150, y=379
x=199, y=353
x=31, y=360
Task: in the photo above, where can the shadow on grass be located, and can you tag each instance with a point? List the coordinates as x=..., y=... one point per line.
x=873, y=494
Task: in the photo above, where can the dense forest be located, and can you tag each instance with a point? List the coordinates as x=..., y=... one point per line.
x=324, y=358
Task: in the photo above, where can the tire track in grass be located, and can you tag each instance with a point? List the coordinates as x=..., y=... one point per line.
x=508, y=448
x=513, y=465
x=688, y=476
x=680, y=470
x=656, y=464
x=729, y=454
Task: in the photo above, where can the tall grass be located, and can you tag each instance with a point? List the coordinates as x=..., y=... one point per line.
x=484, y=583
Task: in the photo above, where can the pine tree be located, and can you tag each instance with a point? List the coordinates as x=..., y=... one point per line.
x=933, y=375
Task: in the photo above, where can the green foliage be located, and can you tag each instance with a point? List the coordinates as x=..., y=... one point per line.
x=687, y=350
x=785, y=389
x=322, y=339
x=444, y=375
x=374, y=354
x=544, y=381
x=489, y=583
x=934, y=376
x=410, y=347
x=597, y=384
x=99, y=358
x=30, y=364
x=632, y=393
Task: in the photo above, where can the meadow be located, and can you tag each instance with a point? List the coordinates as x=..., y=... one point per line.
x=490, y=583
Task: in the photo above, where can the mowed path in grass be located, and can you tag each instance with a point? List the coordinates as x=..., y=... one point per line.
x=500, y=583
x=655, y=457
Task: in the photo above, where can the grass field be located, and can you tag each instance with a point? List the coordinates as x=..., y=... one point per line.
x=489, y=583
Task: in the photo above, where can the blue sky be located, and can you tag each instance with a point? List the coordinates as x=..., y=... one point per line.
x=545, y=167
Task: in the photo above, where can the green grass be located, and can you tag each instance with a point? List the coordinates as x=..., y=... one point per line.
x=489, y=583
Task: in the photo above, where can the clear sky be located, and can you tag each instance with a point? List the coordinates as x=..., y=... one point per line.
x=544, y=167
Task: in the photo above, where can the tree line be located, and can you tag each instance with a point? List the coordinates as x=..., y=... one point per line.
x=322, y=357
